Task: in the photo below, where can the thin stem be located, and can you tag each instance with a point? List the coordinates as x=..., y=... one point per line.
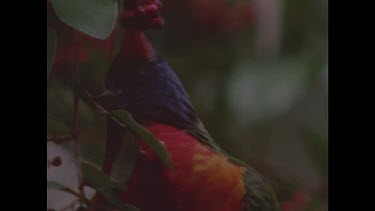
x=60, y=138
x=99, y=108
x=48, y=164
x=71, y=205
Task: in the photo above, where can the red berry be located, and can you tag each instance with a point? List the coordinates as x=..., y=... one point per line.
x=57, y=161
x=140, y=11
x=157, y=23
x=152, y=8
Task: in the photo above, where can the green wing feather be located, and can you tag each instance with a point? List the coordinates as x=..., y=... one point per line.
x=199, y=131
x=259, y=195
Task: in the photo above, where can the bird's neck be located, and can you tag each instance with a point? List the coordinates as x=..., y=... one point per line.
x=136, y=46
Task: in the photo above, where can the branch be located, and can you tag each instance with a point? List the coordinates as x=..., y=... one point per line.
x=76, y=128
x=71, y=205
x=99, y=108
x=58, y=139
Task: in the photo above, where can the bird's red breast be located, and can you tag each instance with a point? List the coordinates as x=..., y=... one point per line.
x=202, y=180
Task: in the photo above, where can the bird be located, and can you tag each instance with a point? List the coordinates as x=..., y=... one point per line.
x=204, y=177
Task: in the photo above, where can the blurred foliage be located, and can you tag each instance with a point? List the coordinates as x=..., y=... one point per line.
x=96, y=18
x=268, y=109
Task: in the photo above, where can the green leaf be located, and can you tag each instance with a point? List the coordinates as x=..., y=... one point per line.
x=95, y=18
x=106, y=99
x=95, y=178
x=125, y=118
x=105, y=93
x=124, y=164
x=113, y=199
x=108, y=188
x=51, y=49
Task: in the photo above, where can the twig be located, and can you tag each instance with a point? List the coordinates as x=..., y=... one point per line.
x=60, y=138
x=48, y=164
x=99, y=108
x=71, y=205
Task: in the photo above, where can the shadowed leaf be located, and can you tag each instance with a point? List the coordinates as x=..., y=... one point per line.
x=95, y=178
x=113, y=198
x=123, y=166
x=106, y=99
x=152, y=141
x=108, y=188
x=95, y=18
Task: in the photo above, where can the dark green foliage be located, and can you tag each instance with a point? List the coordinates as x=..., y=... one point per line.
x=95, y=178
x=153, y=142
x=107, y=187
x=124, y=164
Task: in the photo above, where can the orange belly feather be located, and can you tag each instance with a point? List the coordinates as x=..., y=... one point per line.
x=202, y=180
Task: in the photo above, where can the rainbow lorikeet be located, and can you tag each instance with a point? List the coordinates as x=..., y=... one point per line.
x=205, y=177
